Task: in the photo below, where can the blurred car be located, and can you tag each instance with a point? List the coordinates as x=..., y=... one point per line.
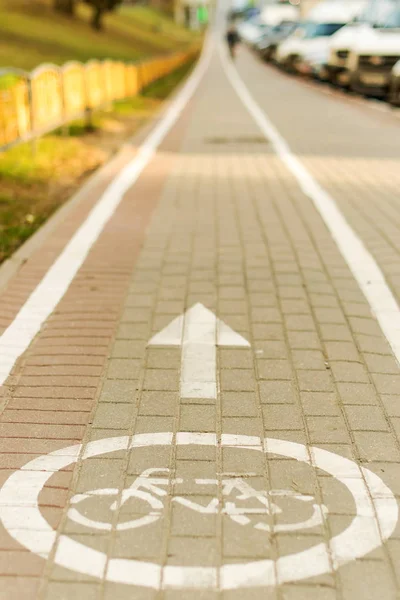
x=241, y=10
x=315, y=52
x=339, y=49
x=313, y=62
x=267, y=45
x=251, y=30
x=289, y=53
x=363, y=54
x=324, y=20
x=394, y=88
x=280, y=11
x=374, y=55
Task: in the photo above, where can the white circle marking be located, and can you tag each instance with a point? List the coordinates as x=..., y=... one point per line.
x=375, y=519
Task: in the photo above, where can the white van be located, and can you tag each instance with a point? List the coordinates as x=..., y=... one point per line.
x=323, y=21
x=280, y=12
x=363, y=55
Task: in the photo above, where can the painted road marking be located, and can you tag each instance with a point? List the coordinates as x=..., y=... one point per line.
x=150, y=489
x=373, y=500
x=43, y=300
x=199, y=332
x=360, y=261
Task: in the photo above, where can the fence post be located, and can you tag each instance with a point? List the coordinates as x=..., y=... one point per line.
x=33, y=143
x=65, y=124
x=88, y=111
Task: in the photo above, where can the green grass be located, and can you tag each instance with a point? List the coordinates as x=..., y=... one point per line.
x=162, y=88
x=34, y=184
x=28, y=183
x=32, y=33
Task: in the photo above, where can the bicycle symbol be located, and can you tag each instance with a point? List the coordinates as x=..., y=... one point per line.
x=151, y=486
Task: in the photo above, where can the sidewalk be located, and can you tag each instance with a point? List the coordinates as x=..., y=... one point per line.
x=229, y=469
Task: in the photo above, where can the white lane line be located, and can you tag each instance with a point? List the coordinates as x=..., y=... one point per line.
x=360, y=261
x=41, y=303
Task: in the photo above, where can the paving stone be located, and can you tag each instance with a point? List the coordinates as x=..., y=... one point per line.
x=72, y=591
x=320, y=404
x=274, y=369
x=118, y=391
x=314, y=381
x=264, y=593
x=391, y=405
x=277, y=392
x=376, y=446
x=387, y=384
x=366, y=418
x=114, y=417
x=161, y=379
x=239, y=404
x=235, y=359
x=193, y=551
x=357, y=393
x=163, y=358
x=272, y=349
x=194, y=524
x=308, y=592
x=158, y=404
x=197, y=418
x=237, y=380
x=194, y=594
x=327, y=430
x=115, y=591
x=282, y=417
x=308, y=359
x=370, y=579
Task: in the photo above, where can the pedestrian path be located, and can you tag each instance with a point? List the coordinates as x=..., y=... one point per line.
x=211, y=410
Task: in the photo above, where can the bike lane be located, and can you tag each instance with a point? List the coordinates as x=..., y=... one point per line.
x=220, y=454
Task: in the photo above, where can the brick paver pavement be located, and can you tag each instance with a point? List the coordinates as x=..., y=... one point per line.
x=185, y=482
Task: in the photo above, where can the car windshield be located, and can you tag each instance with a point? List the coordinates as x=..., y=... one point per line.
x=314, y=30
x=393, y=20
x=285, y=28
x=382, y=14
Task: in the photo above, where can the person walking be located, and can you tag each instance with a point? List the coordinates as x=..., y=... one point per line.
x=232, y=38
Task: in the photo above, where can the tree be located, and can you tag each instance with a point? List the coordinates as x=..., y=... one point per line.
x=65, y=6
x=100, y=7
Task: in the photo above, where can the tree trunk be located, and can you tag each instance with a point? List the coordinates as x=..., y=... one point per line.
x=67, y=7
x=97, y=18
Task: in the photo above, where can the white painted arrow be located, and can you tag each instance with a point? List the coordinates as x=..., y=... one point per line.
x=199, y=332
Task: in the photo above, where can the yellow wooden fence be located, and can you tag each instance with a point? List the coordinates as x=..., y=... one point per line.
x=34, y=103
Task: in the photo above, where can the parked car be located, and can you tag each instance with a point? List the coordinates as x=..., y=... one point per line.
x=252, y=29
x=323, y=21
x=339, y=50
x=364, y=55
x=267, y=45
x=315, y=52
x=280, y=11
x=394, y=88
x=373, y=56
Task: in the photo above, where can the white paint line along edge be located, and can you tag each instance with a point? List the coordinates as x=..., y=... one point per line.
x=360, y=261
x=43, y=300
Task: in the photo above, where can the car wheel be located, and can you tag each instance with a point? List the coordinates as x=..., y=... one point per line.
x=355, y=86
x=291, y=63
x=394, y=94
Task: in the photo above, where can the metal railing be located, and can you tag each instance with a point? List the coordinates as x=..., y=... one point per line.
x=33, y=104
